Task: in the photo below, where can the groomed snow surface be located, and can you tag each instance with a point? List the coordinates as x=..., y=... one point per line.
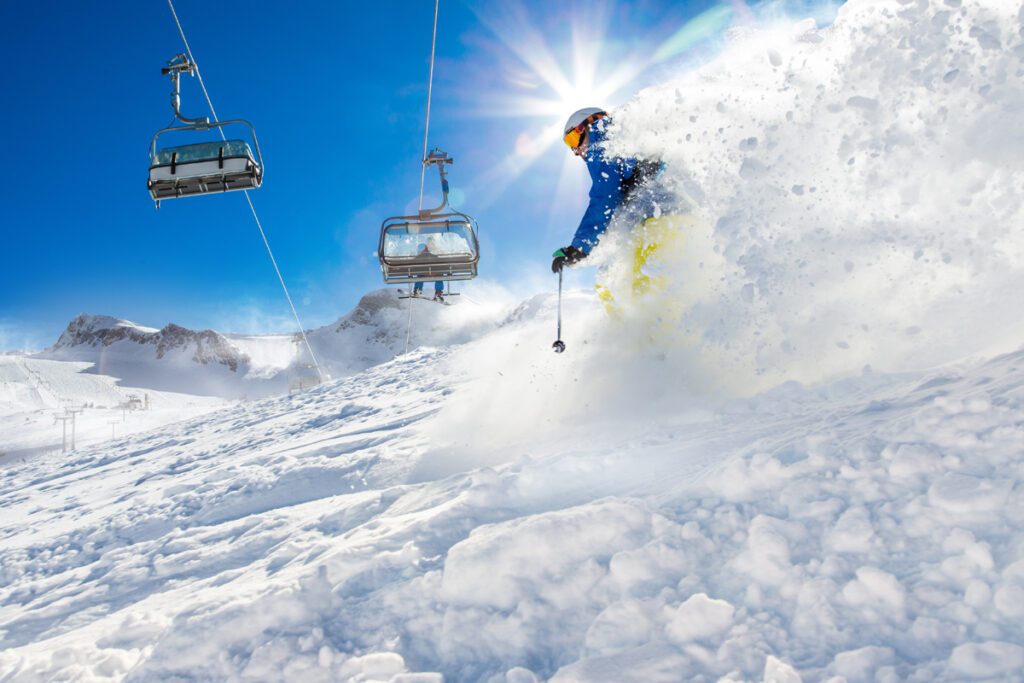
x=34, y=391
x=664, y=501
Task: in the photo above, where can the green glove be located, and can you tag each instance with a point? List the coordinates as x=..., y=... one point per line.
x=566, y=256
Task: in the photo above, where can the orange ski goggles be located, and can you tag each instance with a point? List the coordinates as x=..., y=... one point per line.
x=575, y=135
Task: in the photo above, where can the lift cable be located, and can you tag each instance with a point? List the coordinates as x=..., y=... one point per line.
x=423, y=159
x=252, y=208
x=430, y=90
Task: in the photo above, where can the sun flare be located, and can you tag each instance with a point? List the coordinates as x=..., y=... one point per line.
x=581, y=56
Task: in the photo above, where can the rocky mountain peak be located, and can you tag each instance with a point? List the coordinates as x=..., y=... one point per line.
x=93, y=331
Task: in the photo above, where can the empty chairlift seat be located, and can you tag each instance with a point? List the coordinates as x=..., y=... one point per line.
x=443, y=247
x=202, y=168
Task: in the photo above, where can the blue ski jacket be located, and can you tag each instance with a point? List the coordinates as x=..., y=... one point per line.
x=607, y=192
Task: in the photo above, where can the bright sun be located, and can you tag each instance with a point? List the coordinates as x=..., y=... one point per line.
x=543, y=81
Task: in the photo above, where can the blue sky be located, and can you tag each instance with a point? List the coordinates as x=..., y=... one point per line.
x=336, y=91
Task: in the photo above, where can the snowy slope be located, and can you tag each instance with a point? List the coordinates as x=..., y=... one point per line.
x=870, y=528
x=27, y=383
x=662, y=502
x=34, y=391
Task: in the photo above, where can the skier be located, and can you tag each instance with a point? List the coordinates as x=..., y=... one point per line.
x=417, y=289
x=616, y=182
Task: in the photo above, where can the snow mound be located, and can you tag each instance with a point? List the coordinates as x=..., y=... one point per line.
x=856, y=190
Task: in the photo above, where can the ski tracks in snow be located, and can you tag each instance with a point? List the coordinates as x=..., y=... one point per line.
x=108, y=529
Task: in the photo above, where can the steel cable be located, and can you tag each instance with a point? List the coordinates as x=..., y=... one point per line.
x=259, y=224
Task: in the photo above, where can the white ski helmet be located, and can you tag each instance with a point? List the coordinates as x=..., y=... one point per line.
x=578, y=118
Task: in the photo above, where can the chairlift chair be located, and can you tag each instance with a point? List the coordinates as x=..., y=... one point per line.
x=306, y=377
x=203, y=167
x=433, y=245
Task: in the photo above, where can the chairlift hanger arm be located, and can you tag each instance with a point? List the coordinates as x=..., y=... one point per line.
x=176, y=66
x=438, y=158
x=181, y=64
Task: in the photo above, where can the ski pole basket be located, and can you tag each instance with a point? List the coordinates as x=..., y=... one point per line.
x=436, y=244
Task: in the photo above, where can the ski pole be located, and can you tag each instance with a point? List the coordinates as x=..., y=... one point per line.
x=559, y=345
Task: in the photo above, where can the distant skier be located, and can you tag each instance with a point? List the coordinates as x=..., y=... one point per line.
x=616, y=183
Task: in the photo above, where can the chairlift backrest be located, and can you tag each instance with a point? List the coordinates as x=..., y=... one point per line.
x=442, y=248
x=204, y=151
x=202, y=168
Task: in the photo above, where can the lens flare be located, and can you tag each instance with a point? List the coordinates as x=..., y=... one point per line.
x=545, y=65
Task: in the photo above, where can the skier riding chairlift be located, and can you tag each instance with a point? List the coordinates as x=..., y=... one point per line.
x=457, y=251
x=417, y=290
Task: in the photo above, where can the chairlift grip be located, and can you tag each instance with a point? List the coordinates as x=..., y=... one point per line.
x=437, y=156
x=179, y=63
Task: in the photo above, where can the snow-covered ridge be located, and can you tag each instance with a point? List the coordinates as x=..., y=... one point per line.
x=206, y=346
x=172, y=358
x=208, y=362
x=376, y=330
x=84, y=323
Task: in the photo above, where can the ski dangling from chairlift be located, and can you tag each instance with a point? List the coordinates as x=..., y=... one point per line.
x=202, y=167
x=438, y=244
